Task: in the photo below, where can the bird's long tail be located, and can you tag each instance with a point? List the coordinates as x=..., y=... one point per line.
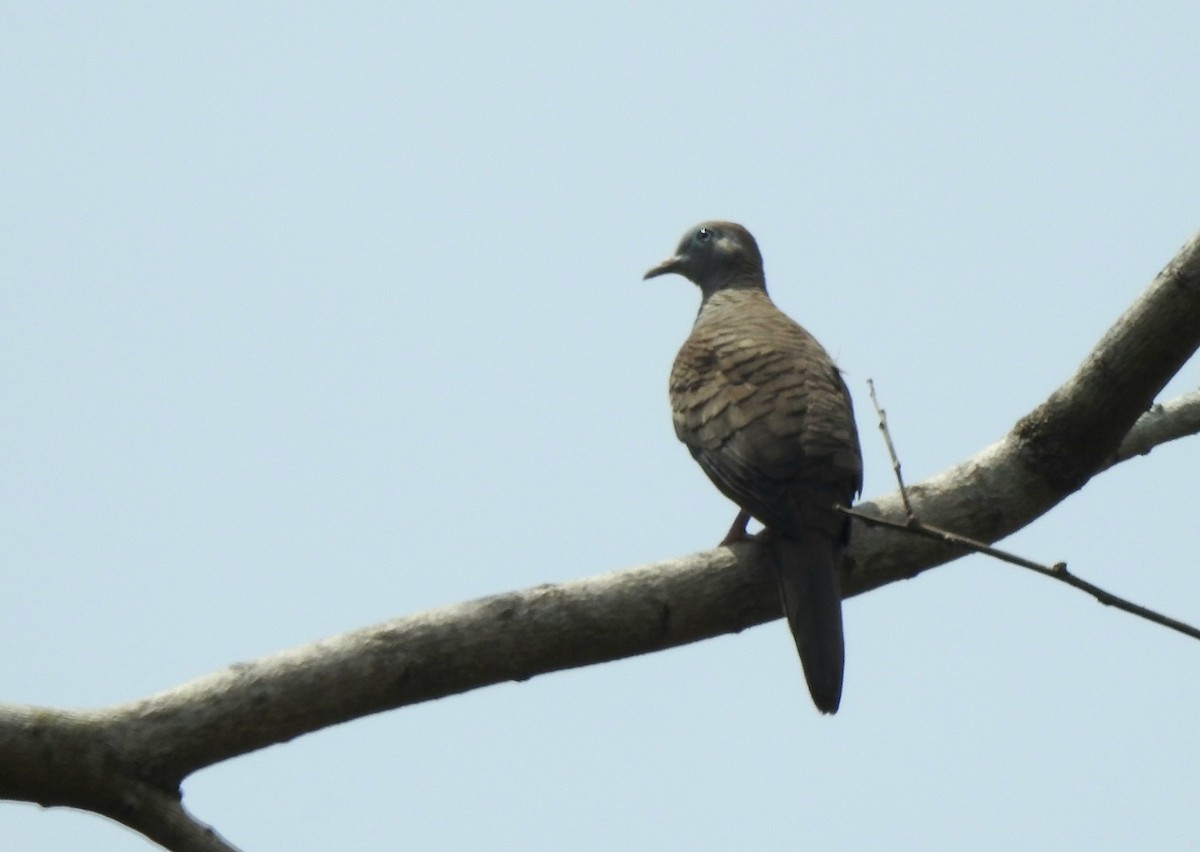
x=807, y=568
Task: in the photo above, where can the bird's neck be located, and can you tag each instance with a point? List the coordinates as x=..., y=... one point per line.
x=739, y=286
x=719, y=305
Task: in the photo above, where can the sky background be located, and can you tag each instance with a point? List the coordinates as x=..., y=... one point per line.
x=314, y=316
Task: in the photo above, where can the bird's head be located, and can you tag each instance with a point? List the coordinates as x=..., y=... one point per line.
x=715, y=256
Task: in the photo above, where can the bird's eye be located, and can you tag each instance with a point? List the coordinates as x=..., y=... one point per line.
x=704, y=235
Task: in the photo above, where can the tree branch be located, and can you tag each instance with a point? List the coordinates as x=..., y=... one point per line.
x=76, y=759
x=127, y=761
x=1054, y=450
x=1162, y=423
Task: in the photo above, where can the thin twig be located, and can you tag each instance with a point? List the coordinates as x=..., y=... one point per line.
x=917, y=527
x=887, y=438
x=1057, y=571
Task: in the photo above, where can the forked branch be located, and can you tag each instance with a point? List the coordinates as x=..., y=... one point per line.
x=1163, y=422
x=99, y=760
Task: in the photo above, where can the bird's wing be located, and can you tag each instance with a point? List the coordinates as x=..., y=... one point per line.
x=766, y=414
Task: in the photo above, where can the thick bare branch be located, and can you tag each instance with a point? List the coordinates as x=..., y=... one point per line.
x=75, y=759
x=127, y=761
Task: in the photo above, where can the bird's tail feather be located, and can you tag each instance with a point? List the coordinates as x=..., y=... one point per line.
x=807, y=568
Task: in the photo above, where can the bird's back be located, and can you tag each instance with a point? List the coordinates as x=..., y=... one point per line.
x=765, y=412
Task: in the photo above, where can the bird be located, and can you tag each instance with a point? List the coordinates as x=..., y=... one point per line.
x=767, y=415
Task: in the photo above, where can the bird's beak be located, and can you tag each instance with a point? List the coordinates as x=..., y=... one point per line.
x=671, y=264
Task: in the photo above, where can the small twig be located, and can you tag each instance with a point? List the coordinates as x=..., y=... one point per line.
x=917, y=527
x=887, y=438
x=1057, y=571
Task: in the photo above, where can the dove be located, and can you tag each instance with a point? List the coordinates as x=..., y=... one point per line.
x=765, y=412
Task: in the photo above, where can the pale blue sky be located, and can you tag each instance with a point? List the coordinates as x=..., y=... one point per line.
x=311, y=317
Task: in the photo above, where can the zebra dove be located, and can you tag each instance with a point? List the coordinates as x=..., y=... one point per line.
x=765, y=412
